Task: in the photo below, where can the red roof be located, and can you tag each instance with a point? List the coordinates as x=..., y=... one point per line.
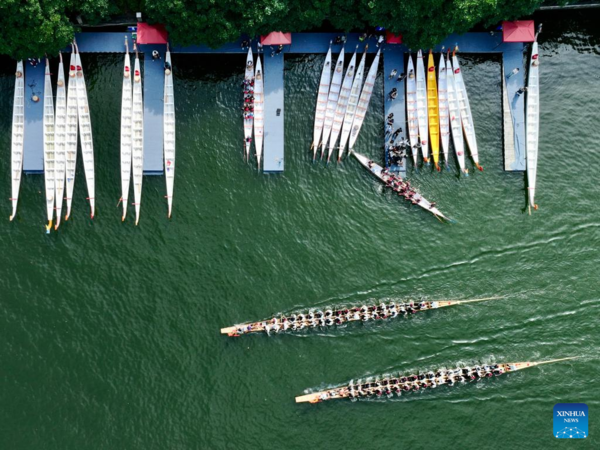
x=392, y=38
x=518, y=31
x=276, y=38
x=151, y=34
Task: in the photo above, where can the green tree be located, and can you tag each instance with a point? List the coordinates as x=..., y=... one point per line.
x=32, y=28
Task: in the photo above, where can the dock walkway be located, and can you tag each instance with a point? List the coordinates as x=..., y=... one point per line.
x=393, y=55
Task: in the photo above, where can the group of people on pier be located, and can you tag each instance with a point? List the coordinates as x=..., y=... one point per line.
x=396, y=385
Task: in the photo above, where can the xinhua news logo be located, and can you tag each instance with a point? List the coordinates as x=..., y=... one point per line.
x=570, y=421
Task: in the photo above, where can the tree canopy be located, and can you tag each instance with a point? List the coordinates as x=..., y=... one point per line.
x=35, y=27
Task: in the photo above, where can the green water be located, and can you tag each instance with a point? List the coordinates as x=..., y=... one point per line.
x=110, y=332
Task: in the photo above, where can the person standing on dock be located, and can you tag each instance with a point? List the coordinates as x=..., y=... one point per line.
x=259, y=47
x=401, y=77
x=514, y=72
x=393, y=94
x=245, y=44
x=522, y=90
x=393, y=73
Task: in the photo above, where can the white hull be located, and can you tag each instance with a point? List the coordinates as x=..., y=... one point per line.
x=85, y=133
x=321, y=103
x=363, y=102
x=137, y=143
x=422, y=107
x=248, y=76
x=49, y=151
x=443, y=108
x=455, y=120
x=60, y=141
x=259, y=110
x=332, y=100
x=465, y=111
x=169, y=133
x=72, y=123
x=342, y=104
x=18, y=129
x=352, y=104
x=126, y=133
x=411, y=109
x=532, y=123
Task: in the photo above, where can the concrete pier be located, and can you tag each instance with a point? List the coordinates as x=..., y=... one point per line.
x=274, y=114
x=33, y=136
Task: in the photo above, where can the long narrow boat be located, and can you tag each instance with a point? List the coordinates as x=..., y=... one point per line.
x=388, y=179
x=49, y=151
x=352, y=104
x=455, y=120
x=387, y=386
x=422, y=108
x=248, y=92
x=363, y=102
x=85, y=133
x=532, y=123
x=443, y=109
x=137, y=143
x=169, y=130
x=411, y=109
x=18, y=129
x=321, y=102
x=340, y=109
x=126, y=133
x=341, y=315
x=433, y=113
x=259, y=110
x=465, y=111
x=332, y=100
x=72, y=123
x=60, y=140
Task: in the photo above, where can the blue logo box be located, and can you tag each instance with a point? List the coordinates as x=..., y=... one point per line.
x=570, y=421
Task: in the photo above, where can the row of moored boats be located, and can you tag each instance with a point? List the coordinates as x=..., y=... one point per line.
x=253, y=110
x=67, y=121
x=438, y=109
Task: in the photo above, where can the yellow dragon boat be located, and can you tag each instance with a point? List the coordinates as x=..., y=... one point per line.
x=433, y=113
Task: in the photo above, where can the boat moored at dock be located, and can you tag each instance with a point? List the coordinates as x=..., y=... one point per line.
x=17, y=139
x=169, y=131
x=432, y=112
x=387, y=386
x=72, y=125
x=248, y=108
x=60, y=140
x=421, y=86
x=443, y=109
x=363, y=102
x=259, y=110
x=352, y=103
x=49, y=150
x=532, y=123
x=126, y=133
x=322, y=98
x=342, y=104
x=454, y=117
x=411, y=110
x=465, y=111
x=332, y=100
x=137, y=136
x=85, y=132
